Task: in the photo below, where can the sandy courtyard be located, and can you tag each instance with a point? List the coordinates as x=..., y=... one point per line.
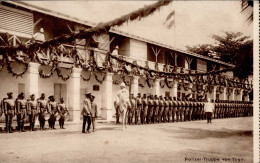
x=225, y=140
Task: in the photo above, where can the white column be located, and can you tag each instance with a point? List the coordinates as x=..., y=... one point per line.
x=157, y=87
x=214, y=93
x=32, y=79
x=232, y=95
x=74, y=95
x=225, y=94
x=175, y=88
x=106, y=111
x=240, y=96
x=134, y=86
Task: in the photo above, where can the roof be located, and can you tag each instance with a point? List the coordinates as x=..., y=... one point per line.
x=112, y=30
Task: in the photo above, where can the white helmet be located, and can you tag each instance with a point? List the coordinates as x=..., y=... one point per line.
x=122, y=84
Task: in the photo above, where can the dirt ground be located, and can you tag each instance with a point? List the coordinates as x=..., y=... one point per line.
x=225, y=140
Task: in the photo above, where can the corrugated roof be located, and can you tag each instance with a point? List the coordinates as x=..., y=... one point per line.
x=112, y=30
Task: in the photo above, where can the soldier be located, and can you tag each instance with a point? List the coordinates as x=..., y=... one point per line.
x=150, y=109
x=117, y=112
x=53, y=107
x=195, y=109
x=32, y=111
x=180, y=104
x=189, y=109
x=86, y=113
x=170, y=109
x=144, y=109
x=174, y=109
x=42, y=103
x=161, y=109
x=9, y=111
x=216, y=109
x=131, y=109
x=138, y=108
x=156, y=109
x=184, y=109
x=166, y=109
x=62, y=110
x=21, y=111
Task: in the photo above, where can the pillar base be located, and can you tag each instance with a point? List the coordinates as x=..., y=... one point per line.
x=75, y=115
x=106, y=114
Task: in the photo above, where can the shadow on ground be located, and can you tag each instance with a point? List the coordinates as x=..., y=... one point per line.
x=197, y=133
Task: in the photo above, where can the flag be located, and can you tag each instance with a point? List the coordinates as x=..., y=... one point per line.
x=169, y=22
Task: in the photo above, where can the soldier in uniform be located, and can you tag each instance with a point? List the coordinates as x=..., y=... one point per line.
x=194, y=110
x=32, y=111
x=156, y=109
x=138, y=107
x=43, y=104
x=117, y=112
x=180, y=111
x=184, y=109
x=54, y=111
x=170, y=109
x=161, y=108
x=62, y=110
x=9, y=111
x=189, y=109
x=174, y=108
x=166, y=109
x=21, y=111
x=150, y=109
x=131, y=109
x=144, y=109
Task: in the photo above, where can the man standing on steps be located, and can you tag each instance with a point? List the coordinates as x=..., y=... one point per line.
x=209, y=107
x=86, y=112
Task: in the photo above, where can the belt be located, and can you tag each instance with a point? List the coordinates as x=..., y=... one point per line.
x=34, y=108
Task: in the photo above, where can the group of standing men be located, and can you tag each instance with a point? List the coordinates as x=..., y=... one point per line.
x=46, y=110
x=154, y=109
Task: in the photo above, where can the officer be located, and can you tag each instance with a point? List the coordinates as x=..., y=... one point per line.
x=21, y=111
x=62, y=110
x=156, y=109
x=138, y=107
x=170, y=109
x=203, y=108
x=53, y=107
x=9, y=111
x=131, y=109
x=32, y=111
x=161, y=109
x=150, y=109
x=42, y=103
x=166, y=109
x=174, y=108
x=144, y=109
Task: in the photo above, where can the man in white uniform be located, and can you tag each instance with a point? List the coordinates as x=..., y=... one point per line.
x=122, y=100
x=209, y=107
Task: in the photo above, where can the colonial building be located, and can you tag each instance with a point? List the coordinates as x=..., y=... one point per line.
x=22, y=23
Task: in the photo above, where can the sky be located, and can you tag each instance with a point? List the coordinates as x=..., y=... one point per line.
x=195, y=21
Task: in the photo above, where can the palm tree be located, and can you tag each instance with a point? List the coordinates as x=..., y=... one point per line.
x=247, y=9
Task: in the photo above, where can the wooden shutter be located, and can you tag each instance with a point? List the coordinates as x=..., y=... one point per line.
x=16, y=20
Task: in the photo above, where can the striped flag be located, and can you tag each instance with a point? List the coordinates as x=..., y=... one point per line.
x=169, y=22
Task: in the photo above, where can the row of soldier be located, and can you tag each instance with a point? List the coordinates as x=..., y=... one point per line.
x=154, y=109
x=42, y=108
